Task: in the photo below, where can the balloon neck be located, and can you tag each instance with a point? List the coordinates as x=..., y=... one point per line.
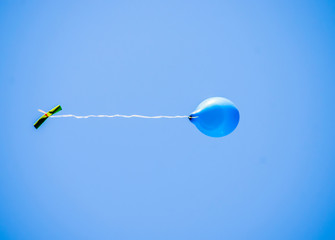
x=191, y=117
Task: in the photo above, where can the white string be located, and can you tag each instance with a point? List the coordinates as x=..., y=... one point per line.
x=111, y=116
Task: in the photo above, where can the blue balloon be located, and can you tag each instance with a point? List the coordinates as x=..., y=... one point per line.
x=215, y=117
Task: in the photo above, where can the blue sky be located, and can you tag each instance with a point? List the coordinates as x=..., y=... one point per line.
x=272, y=178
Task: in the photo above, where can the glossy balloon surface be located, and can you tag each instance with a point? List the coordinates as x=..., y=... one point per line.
x=215, y=117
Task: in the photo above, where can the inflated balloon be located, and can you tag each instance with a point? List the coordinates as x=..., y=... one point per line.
x=215, y=117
